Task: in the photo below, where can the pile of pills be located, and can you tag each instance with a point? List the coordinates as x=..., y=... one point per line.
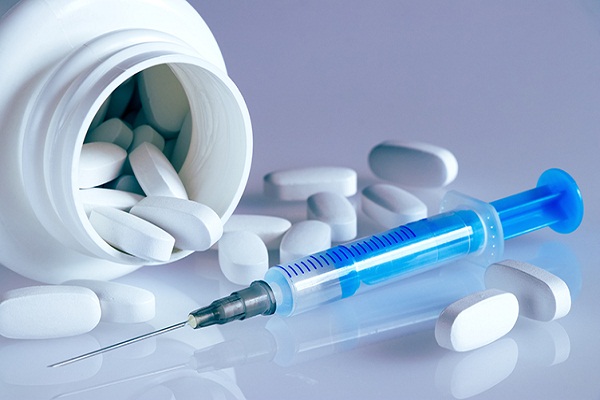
x=513, y=288
x=136, y=202
x=331, y=216
x=128, y=171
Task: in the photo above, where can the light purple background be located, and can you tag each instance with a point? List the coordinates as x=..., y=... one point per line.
x=511, y=88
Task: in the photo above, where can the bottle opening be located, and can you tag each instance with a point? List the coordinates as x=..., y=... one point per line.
x=197, y=119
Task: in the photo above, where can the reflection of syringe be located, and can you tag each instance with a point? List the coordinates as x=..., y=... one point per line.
x=473, y=228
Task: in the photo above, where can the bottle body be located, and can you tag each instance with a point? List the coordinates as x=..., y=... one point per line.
x=57, y=79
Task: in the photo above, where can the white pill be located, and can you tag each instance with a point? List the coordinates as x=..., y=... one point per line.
x=336, y=211
x=112, y=131
x=119, y=302
x=542, y=295
x=146, y=133
x=155, y=174
x=304, y=238
x=127, y=183
x=391, y=206
x=194, y=226
x=120, y=98
x=164, y=101
x=270, y=229
x=243, y=257
x=45, y=312
x=100, y=163
x=182, y=143
x=132, y=234
x=413, y=164
x=301, y=183
x=477, y=320
x=101, y=197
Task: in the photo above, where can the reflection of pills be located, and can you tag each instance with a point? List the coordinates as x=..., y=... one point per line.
x=477, y=320
x=542, y=296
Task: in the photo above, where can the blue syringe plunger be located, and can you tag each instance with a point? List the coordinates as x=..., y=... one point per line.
x=555, y=202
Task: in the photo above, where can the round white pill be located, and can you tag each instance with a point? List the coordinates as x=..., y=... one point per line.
x=112, y=131
x=45, y=312
x=243, y=257
x=477, y=320
x=101, y=197
x=301, y=183
x=154, y=172
x=100, y=163
x=119, y=302
x=132, y=234
x=391, y=206
x=269, y=228
x=164, y=101
x=304, y=238
x=194, y=226
x=336, y=211
x=542, y=295
x=413, y=164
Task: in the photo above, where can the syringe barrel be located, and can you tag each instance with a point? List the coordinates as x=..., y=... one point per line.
x=345, y=269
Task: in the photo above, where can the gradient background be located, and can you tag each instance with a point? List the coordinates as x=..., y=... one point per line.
x=511, y=88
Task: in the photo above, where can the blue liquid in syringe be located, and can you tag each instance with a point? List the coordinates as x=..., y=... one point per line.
x=474, y=229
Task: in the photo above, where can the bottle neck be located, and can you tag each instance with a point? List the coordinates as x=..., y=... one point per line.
x=58, y=120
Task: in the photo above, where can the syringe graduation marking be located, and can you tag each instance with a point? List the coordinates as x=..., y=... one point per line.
x=398, y=235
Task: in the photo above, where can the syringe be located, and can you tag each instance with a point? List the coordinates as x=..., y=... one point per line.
x=472, y=228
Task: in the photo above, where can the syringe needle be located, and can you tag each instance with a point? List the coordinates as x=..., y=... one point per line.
x=120, y=344
x=256, y=299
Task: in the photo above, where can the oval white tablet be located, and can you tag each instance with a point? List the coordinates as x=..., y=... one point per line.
x=413, y=164
x=112, y=131
x=100, y=163
x=132, y=234
x=146, y=133
x=304, y=238
x=243, y=257
x=194, y=226
x=182, y=143
x=336, y=211
x=154, y=172
x=270, y=229
x=391, y=206
x=45, y=312
x=477, y=320
x=299, y=184
x=120, y=98
x=164, y=101
x=101, y=197
x=119, y=302
x=542, y=295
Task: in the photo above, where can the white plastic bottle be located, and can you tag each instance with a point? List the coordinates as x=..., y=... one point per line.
x=61, y=59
